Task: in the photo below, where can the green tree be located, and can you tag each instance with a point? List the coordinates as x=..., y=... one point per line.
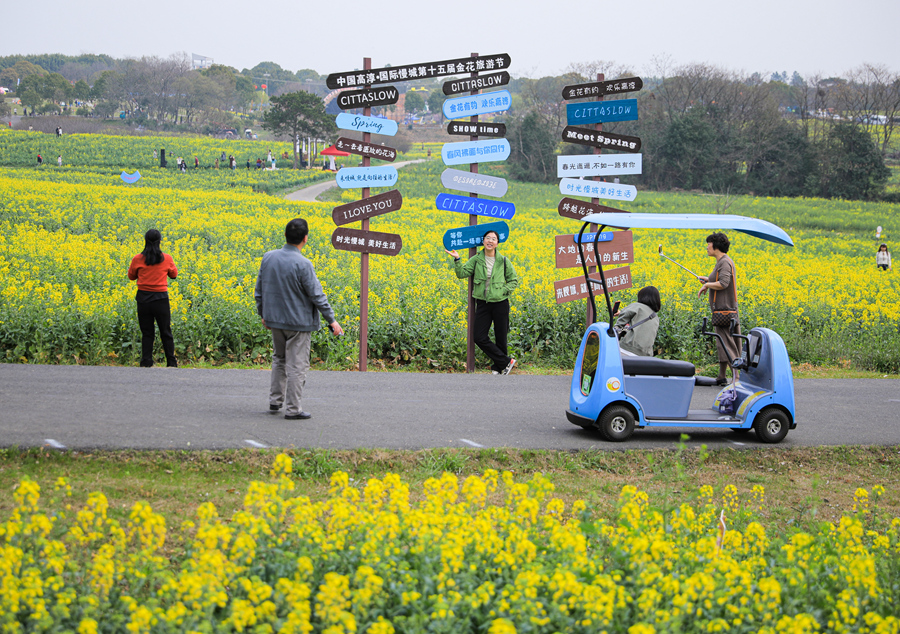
x=81, y=90
x=851, y=165
x=296, y=115
x=414, y=101
x=436, y=103
x=532, y=149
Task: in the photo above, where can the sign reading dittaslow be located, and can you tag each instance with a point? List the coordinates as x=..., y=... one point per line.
x=598, y=165
x=475, y=151
x=587, y=112
x=605, y=140
x=375, y=125
x=367, y=207
x=596, y=189
x=619, y=250
x=472, y=105
x=474, y=183
x=576, y=288
x=366, y=241
x=427, y=70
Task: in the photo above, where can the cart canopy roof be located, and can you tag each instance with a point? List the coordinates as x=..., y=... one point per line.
x=752, y=226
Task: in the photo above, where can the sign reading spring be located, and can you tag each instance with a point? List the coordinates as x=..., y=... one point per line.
x=381, y=176
x=375, y=125
x=475, y=151
x=477, y=206
x=472, y=105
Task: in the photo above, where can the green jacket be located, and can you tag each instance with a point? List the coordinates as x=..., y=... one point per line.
x=503, y=277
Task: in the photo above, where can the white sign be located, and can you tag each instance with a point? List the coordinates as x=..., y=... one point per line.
x=597, y=189
x=598, y=164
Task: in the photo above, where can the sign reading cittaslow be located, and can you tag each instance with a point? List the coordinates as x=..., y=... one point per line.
x=587, y=112
x=381, y=176
x=477, y=206
x=598, y=164
x=475, y=151
x=367, y=207
x=428, y=70
x=474, y=183
x=472, y=105
x=363, y=241
x=375, y=125
x=472, y=236
x=596, y=189
x=350, y=99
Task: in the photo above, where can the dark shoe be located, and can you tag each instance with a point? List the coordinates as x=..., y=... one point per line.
x=721, y=381
x=509, y=368
x=300, y=416
x=172, y=364
x=274, y=409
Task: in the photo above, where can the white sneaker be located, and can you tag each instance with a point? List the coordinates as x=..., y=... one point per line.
x=509, y=368
x=494, y=372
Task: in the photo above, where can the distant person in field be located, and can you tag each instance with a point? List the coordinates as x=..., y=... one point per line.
x=40, y=160
x=59, y=160
x=493, y=279
x=151, y=268
x=289, y=299
x=883, y=258
x=196, y=163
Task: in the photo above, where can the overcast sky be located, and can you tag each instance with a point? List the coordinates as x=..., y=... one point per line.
x=542, y=37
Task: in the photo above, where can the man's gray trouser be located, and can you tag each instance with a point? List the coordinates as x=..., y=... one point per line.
x=290, y=363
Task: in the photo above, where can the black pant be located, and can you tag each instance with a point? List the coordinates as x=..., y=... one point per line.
x=156, y=311
x=498, y=313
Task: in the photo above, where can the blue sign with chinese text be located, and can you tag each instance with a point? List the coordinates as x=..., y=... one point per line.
x=375, y=125
x=381, y=176
x=601, y=111
x=596, y=189
x=485, y=103
x=605, y=236
x=475, y=151
x=467, y=237
x=477, y=206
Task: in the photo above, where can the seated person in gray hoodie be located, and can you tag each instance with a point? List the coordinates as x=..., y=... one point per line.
x=639, y=322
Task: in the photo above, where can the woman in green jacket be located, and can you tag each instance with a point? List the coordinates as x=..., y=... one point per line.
x=493, y=277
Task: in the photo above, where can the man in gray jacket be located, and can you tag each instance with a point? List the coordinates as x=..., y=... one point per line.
x=289, y=299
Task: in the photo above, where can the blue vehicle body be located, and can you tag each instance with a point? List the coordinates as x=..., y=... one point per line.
x=617, y=393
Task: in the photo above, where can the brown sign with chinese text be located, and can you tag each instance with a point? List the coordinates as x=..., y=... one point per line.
x=619, y=250
x=578, y=209
x=366, y=241
x=372, y=150
x=576, y=287
x=367, y=207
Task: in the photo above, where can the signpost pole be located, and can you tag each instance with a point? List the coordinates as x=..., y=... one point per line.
x=364, y=257
x=599, y=128
x=473, y=220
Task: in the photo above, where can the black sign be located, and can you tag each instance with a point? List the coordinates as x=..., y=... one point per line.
x=372, y=150
x=350, y=99
x=578, y=209
x=411, y=72
x=367, y=207
x=605, y=140
x=475, y=83
x=366, y=241
x=600, y=88
x=477, y=129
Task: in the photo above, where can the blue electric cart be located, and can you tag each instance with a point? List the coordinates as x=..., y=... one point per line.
x=616, y=393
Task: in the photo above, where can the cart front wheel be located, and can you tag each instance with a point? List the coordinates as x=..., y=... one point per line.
x=771, y=425
x=617, y=423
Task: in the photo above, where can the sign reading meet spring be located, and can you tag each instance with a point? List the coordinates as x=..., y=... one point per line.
x=475, y=151
x=381, y=176
x=472, y=105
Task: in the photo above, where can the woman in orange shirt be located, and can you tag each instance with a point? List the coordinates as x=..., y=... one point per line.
x=151, y=268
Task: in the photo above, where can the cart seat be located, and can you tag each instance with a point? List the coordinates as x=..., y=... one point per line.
x=651, y=366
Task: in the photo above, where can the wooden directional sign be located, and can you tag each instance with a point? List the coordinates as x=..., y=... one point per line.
x=367, y=207
x=428, y=70
x=588, y=238
x=596, y=189
x=366, y=241
x=477, y=206
x=600, y=88
x=350, y=99
x=474, y=183
x=372, y=150
x=586, y=112
x=477, y=129
x=457, y=86
x=598, y=164
x=485, y=103
x=381, y=176
x=471, y=236
x=605, y=140
x=576, y=209
x=475, y=151
x=619, y=250
x=617, y=279
x=375, y=125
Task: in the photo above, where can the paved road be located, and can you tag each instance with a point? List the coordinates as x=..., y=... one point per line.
x=311, y=193
x=81, y=407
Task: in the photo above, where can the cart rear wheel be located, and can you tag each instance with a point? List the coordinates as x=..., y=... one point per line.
x=771, y=425
x=616, y=423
